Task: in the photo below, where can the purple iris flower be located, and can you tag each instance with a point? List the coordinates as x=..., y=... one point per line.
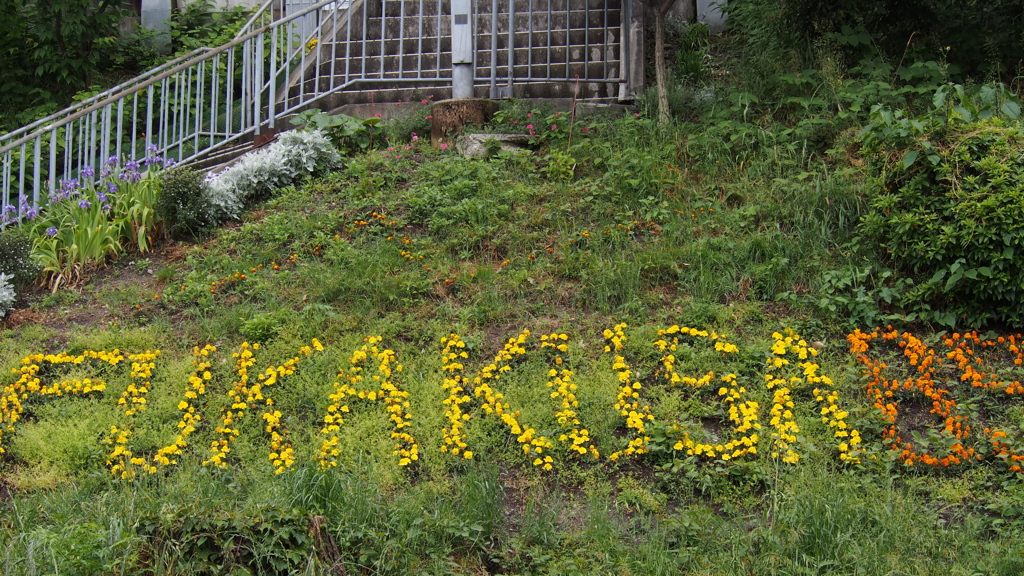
x=130, y=176
x=84, y=203
x=51, y=231
x=152, y=156
x=112, y=187
x=88, y=172
x=112, y=161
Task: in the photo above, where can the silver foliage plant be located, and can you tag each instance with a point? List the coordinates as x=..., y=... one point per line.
x=295, y=155
x=6, y=293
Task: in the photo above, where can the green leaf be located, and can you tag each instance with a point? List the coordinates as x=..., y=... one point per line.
x=909, y=157
x=964, y=113
x=1011, y=109
x=953, y=279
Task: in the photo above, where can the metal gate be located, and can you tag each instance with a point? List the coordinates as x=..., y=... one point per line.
x=549, y=41
x=394, y=44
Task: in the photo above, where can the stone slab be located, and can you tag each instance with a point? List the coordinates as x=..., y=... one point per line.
x=477, y=145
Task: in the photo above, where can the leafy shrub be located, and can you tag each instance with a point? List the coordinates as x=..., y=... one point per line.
x=348, y=133
x=15, y=256
x=183, y=204
x=6, y=294
x=954, y=223
x=856, y=296
x=296, y=155
x=203, y=23
x=978, y=39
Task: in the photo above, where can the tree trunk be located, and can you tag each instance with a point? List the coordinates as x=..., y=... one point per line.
x=689, y=10
x=661, y=75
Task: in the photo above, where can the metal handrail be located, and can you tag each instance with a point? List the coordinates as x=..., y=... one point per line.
x=105, y=93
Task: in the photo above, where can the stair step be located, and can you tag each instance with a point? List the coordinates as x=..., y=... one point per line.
x=222, y=157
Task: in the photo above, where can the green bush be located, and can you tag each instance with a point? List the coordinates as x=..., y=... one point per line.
x=953, y=222
x=978, y=39
x=183, y=205
x=15, y=248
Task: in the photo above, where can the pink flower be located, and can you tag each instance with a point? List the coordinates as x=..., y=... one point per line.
x=529, y=126
x=530, y=115
x=423, y=102
x=515, y=121
x=430, y=117
x=431, y=96
x=406, y=147
x=397, y=157
x=585, y=129
x=637, y=114
x=557, y=114
x=444, y=146
x=415, y=138
x=532, y=132
x=377, y=115
x=391, y=149
x=553, y=127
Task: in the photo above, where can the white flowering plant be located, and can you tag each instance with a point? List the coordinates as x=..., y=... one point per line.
x=6, y=293
x=294, y=156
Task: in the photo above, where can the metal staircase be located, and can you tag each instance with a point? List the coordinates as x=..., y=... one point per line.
x=296, y=54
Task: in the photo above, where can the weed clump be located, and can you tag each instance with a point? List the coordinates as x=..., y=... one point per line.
x=15, y=260
x=183, y=204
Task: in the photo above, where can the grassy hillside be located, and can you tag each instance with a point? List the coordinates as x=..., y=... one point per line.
x=740, y=225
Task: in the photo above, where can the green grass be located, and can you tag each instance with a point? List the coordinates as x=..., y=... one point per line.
x=727, y=226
